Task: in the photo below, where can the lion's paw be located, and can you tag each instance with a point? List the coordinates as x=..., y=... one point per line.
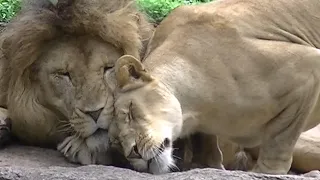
x=76, y=151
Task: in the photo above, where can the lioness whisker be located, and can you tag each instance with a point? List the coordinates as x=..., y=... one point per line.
x=160, y=148
x=155, y=156
x=177, y=157
x=173, y=167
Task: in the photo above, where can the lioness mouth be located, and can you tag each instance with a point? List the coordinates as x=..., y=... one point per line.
x=165, y=144
x=155, y=157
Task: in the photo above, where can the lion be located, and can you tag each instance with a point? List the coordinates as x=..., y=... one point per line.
x=56, y=58
x=243, y=70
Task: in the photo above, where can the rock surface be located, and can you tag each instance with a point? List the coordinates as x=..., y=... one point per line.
x=31, y=163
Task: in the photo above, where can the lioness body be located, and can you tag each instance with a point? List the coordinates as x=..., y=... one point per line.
x=245, y=70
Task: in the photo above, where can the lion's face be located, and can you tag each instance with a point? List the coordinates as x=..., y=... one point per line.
x=148, y=119
x=72, y=75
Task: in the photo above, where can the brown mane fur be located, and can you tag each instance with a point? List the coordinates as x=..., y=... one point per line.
x=115, y=21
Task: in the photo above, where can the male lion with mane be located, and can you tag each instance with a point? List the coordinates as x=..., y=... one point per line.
x=243, y=70
x=56, y=62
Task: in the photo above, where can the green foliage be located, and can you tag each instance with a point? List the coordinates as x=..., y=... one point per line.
x=8, y=9
x=158, y=9
x=155, y=9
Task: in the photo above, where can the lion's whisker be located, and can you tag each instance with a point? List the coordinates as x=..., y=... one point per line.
x=63, y=120
x=64, y=130
x=77, y=135
x=64, y=126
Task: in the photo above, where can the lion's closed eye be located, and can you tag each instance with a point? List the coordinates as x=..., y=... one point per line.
x=61, y=73
x=107, y=68
x=65, y=74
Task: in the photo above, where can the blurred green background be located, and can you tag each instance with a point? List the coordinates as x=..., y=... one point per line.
x=155, y=9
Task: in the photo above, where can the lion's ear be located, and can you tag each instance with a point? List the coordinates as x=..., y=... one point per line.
x=62, y=8
x=130, y=72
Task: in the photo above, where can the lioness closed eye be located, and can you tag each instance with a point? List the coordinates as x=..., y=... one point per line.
x=234, y=69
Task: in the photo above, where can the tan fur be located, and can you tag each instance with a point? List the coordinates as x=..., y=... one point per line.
x=56, y=71
x=244, y=70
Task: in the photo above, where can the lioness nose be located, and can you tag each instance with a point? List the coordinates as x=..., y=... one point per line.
x=134, y=154
x=166, y=143
x=94, y=114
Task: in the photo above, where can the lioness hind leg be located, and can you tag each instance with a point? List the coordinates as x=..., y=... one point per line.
x=282, y=133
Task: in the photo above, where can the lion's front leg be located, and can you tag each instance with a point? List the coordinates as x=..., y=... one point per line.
x=76, y=150
x=92, y=150
x=5, y=127
x=5, y=131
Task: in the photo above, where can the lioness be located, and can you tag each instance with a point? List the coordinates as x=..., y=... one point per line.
x=56, y=60
x=245, y=70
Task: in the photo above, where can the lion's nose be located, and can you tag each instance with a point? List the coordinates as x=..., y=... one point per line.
x=94, y=114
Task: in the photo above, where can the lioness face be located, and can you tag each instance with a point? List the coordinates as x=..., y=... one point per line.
x=148, y=118
x=72, y=75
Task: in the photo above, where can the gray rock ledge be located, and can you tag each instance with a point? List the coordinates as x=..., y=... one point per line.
x=31, y=163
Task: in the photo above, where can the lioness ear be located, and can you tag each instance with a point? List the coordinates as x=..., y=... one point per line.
x=130, y=71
